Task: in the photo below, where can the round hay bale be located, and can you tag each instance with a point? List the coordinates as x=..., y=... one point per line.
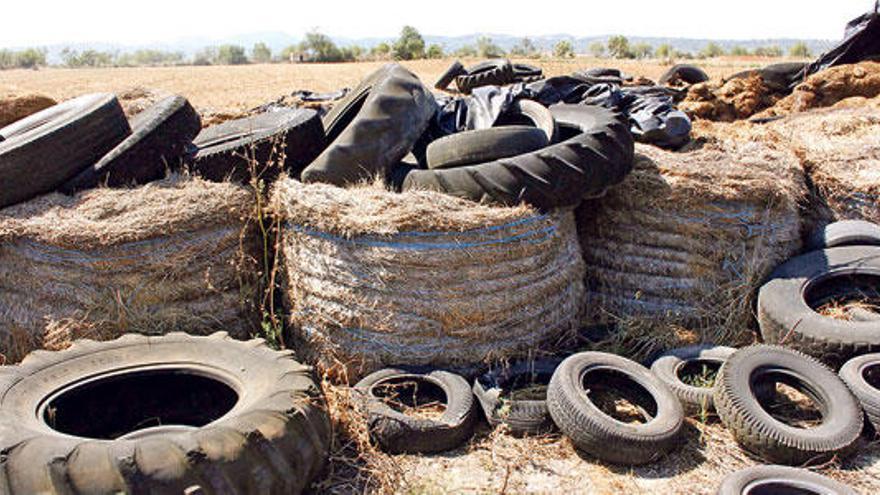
x=686, y=239
x=174, y=255
x=375, y=278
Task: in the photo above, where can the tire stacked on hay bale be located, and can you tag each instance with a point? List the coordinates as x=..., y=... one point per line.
x=174, y=255
x=376, y=279
x=688, y=237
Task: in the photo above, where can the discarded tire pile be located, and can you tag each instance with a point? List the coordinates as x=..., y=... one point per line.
x=688, y=237
x=176, y=255
x=373, y=276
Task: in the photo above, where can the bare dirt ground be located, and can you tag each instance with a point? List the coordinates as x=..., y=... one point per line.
x=238, y=88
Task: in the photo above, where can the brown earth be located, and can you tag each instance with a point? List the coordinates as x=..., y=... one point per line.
x=13, y=107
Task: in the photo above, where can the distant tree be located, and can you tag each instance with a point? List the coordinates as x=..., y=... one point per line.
x=7, y=59
x=231, y=55
x=466, y=51
x=435, y=51
x=597, y=49
x=618, y=47
x=768, y=51
x=87, y=58
x=525, y=48
x=381, y=51
x=642, y=50
x=800, y=50
x=664, y=51
x=410, y=45
x=320, y=48
x=205, y=56
x=30, y=58
x=711, y=50
x=563, y=49
x=351, y=53
x=738, y=51
x=486, y=48
x=261, y=53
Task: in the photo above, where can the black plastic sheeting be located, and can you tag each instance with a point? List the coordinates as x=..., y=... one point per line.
x=861, y=41
x=651, y=110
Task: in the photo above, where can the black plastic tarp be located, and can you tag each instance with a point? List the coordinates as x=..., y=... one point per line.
x=861, y=41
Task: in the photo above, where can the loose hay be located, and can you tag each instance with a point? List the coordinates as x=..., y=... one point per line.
x=728, y=101
x=174, y=255
x=674, y=254
x=17, y=107
x=376, y=278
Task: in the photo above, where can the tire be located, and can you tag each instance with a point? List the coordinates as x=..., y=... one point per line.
x=739, y=407
x=454, y=70
x=48, y=148
x=667, y=367
x=522, y=417
x=160, y=137
x=780, y=479
x=853, y=373
x=845, y=233
x=256, y=416
x=527, y=73
x=559, y=175
x=397, y=433
x=491, y=73
x=486, y=145
x=686, y=73
x=786, y=317
x=395, y=111
x=600, y=435
x=230, y=149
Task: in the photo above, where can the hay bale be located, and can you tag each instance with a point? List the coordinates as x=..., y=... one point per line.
x=728, y=101
x=826, y=88
x=17, y=107
x=674, y=254
x=173, y=255
x=375, y=278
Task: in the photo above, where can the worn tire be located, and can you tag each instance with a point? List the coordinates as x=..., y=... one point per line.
x=495, y=143
x=780, y=479
x=522, y=417
x=853, y=374
x=490, y=73
x=454, y=70
x=44, y=150
x=394, y=112
x=687, y=73
x=786, y=318
x=273, y=439
x=739, y=407
x=844, y=233
x=160, y=137
x=667, y=367
x=230, y=149
x=557, y=176
x=600, y=435
x=396, y=432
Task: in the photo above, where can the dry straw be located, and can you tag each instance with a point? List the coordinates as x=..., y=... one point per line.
x=675, y=253
x=376, y=278
x=172, y=255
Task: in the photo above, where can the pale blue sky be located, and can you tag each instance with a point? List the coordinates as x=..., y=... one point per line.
x=30, y=22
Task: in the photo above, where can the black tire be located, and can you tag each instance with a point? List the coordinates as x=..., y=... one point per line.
x=256, y=418
x=160, y=137
x=46, y=149
x=668, y=368
x=855, y=374
x=686, y=73
x=785, y=303
x=231, y=149
x=845, y=233
x=780, y=480
x=379, y=132
x=740, y=409
x=490, y=73
x=396, y=432
x=522, y=417
x=454, y=70
x=556, y=176
x=600, y=435
x=527, y=73
x=486, y=145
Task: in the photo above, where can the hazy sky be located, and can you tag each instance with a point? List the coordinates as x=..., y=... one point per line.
x=34, y=22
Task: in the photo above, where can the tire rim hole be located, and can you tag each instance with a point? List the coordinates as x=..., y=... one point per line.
x=846, y=297
x=110, y=407
x=788, y=400
x=871, y=374
x=412, y=396
x=778, y=488
x=619, y=396
x=698, y=372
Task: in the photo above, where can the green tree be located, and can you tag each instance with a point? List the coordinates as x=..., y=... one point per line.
x=231, y=55
x=711, y=50
x=738, y=51
x=466, y=51
x=7, y=59
x=642, y=50
x=261, y=53
x=30, y=58
x=205, y=56
x=87, y=58
x=800, y=50
x=618, y=47
x=768, y=51
x=351, y=53
x=381, y=51
x=320, y=48
x=435, y=51
x=486, y=48
x=525, y=48
x=410, y=45
x=664, y=51
x=563, y=49
x=597, y=49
